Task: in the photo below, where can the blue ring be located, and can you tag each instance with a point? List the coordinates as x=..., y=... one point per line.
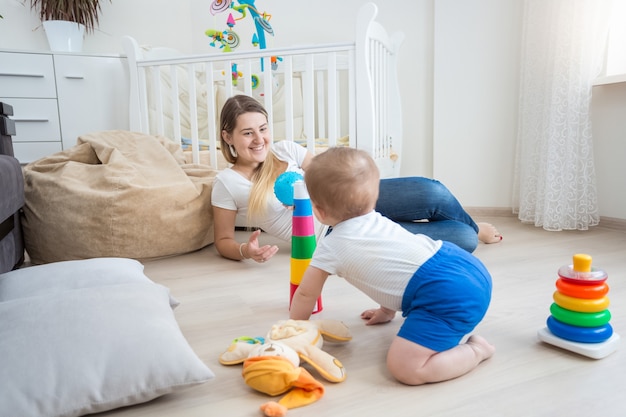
x=579, y=334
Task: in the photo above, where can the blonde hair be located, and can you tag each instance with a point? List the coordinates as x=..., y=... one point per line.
x=343, y=181
x=266, y=173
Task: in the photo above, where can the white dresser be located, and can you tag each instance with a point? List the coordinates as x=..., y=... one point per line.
x=57, y=97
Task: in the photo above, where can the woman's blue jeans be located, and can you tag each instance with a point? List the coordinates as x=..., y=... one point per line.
x=407, y=200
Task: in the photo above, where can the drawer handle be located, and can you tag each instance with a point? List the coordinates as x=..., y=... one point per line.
x=16, y=74
x=31, y=120
x=74, y=77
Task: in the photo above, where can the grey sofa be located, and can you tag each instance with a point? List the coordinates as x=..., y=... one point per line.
x=11, y=196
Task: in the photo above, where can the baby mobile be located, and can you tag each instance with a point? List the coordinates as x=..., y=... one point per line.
x=228, y=39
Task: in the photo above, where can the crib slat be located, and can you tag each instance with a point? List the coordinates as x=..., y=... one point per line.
x=268, y=89
x=159, y=99
x=212, y=113
x=193, y=114
x=351, y=99
x=308, y=93
x=144, y=126
x=228, y=81
x=175, y=104
x=382, y=115
x=287, y=64
x=247, y=77
x=333, y=110
x=378, y=94
x=320, y=95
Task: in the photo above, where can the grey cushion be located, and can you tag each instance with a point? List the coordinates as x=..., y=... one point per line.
x=90, y=348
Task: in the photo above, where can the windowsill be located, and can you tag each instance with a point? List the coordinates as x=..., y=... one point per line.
x=610, y=79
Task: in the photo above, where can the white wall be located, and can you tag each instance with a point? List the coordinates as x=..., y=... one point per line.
x=608, y=109
x=475, y=98
x=160, y=22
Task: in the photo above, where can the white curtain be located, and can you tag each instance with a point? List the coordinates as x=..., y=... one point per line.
x=563, y=45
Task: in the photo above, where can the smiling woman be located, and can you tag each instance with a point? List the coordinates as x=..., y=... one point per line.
x=243, y=194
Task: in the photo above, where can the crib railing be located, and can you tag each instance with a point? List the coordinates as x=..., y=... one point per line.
x=324, y=73
x=326, y=92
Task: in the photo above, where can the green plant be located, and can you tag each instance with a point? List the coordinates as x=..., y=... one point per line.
x=84, y=12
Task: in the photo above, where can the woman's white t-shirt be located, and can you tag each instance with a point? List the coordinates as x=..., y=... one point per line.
x=231, y=191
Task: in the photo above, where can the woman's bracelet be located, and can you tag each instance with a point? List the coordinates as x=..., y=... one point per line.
x=241, y=250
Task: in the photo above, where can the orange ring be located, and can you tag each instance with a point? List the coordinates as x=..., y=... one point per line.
x=580, y=304
x=582, y=291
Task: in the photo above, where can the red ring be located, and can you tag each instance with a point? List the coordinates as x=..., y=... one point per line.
x=589, y=292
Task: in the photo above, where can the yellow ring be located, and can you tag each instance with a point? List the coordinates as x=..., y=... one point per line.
x=580, y=304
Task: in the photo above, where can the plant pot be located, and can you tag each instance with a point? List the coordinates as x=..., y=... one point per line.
x=64, y=36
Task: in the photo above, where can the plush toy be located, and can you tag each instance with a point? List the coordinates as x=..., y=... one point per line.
x=271, y=364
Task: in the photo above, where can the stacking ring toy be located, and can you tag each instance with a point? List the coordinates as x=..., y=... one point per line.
x=579, y=334
x=576, y=318
x=595, y=276
x=582, y=291
x=580, y=304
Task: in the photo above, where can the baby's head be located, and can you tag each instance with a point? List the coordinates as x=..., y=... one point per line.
x=343, y=182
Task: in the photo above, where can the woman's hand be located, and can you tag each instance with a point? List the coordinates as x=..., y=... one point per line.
x=259, y=254
x=378, y=316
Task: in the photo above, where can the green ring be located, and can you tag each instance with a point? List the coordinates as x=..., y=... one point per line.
x=576, y=318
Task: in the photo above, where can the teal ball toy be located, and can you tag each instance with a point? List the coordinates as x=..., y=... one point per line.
x=283, y=187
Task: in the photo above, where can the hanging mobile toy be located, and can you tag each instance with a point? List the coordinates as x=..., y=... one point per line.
x=218, y=6
x=274, y=60
x=228, y=39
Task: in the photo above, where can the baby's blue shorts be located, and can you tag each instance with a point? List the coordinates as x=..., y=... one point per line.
x=445, y=299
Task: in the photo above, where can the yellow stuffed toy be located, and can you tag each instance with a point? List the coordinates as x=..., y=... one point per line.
x=271, y=364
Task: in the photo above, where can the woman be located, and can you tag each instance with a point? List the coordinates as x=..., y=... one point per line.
x=243, y=193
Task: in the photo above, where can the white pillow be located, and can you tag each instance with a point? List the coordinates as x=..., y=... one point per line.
x=91, y=349
x=62, y=276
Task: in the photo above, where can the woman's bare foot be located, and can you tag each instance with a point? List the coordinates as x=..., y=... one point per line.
x=484, y=350
x=487, y=233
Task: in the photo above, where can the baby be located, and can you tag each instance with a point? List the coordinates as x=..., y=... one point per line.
x=442, y=290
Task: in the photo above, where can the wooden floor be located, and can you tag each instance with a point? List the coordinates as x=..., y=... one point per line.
x=222, y=300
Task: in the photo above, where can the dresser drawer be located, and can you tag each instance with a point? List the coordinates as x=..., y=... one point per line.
x=36, y=120
x=27, y=152
x=27, y=75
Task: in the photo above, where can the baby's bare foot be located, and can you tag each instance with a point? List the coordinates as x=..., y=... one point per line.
x=483, y=349
x=487, y=233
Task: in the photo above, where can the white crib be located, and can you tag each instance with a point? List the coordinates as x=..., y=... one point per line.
x=318, y=95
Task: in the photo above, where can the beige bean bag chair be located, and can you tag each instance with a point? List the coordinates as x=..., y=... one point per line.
x=116, y=194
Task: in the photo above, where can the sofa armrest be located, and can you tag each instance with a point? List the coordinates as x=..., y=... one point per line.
x=11, y=203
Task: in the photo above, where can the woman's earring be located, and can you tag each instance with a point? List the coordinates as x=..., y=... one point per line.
x=233, y=152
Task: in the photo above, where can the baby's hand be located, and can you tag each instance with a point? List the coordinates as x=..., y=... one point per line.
x=378, y=316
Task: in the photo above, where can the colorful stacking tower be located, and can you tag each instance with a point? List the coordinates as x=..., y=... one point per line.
x=303, y=240
x=579, y=319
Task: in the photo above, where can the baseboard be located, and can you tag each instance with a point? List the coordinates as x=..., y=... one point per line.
x=606, y=222
x=613, y=223
x=490, y=211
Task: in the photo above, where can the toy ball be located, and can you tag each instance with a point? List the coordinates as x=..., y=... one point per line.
x=276, y=349
x=283, y=187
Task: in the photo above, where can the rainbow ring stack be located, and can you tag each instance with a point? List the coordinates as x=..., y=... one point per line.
x=579, y=317
x=303, y=239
